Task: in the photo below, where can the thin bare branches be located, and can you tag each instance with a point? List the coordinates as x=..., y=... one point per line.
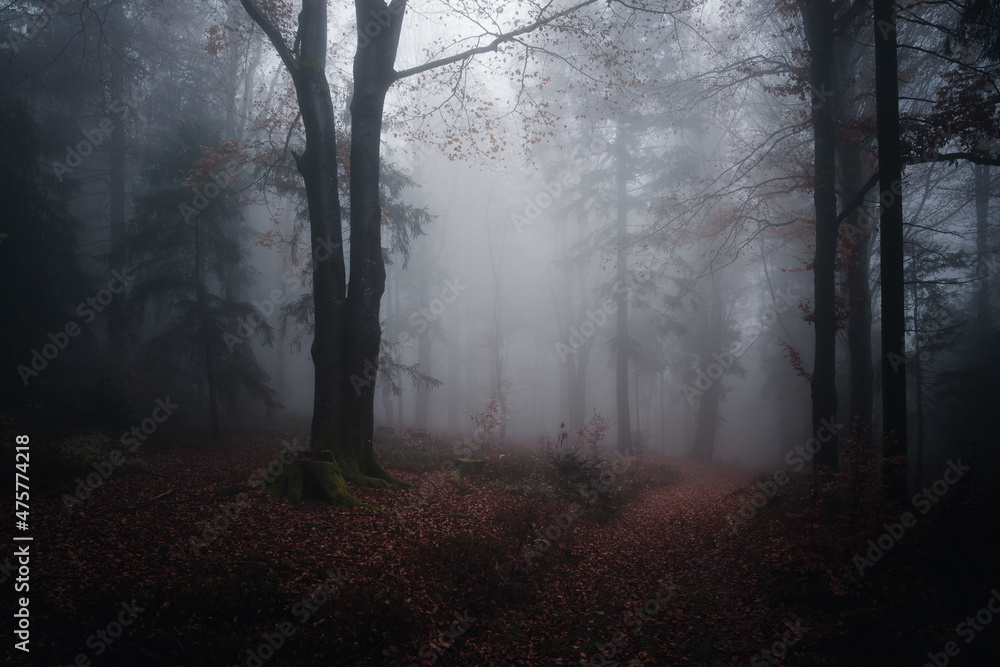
x=493, y=45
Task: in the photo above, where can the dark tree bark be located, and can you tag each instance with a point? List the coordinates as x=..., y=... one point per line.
x=859, y=326
x=981, y=180
x=818, y=19
x=918, y=380
x=707, y=422
x=576, y=379
x=373, y=75
x=890, y=166
x=116, y=175
x=422, y=401
x=347, y=330
x=623, y=341
x=205, y=334
x=454, y=372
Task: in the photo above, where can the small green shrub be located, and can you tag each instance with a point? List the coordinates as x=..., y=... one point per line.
x=78, y=454
x=532, y=484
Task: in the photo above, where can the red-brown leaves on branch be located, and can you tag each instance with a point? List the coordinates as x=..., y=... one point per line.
x=795, y=359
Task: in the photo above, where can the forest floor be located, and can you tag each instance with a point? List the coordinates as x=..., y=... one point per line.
x=179, y=559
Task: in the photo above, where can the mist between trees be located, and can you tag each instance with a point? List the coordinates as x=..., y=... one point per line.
x=739, y=238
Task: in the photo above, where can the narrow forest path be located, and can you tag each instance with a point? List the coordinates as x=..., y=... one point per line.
x=652, y=581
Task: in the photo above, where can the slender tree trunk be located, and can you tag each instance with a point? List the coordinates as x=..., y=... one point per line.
x=116, y=176
x=707, y=424
x=637, y=419
x=576, y=365
x=818, y=20
x=893, y=315
x=280, y=382
x=400, y=423
x=663, y=414
x=623, y=341
x=373, y=74
x=649, y=409
x=203, y=333
x=422, y=404
x=981, y=178
x=454, y=372
x=859, y=326
x=918, y=381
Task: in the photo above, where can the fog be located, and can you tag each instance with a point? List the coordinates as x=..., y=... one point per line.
x=714, y=240
x=517, y=225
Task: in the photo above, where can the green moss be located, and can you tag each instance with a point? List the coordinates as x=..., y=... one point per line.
x=326, y=481
x=346, y=439
x=320, y=481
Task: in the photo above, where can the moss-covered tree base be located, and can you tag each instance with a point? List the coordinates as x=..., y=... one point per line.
x=338, y=457
x=321, y=481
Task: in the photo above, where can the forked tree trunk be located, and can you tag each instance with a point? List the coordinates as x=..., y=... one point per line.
x=347, y=330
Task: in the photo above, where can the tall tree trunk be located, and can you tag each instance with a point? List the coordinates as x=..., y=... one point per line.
x=496, y=376
x=918, y=380
x=636, y=401
x=400, y=423
x=116, y=176
x=707, y=424
x=893, y=315
x=203, y=333
x=649, y=409
x=623, y=341
x=373, y=74
x=981, y=179
x=576, y=370
x=663, y=415
x=859, y=326
x=347, y=330
x=422, y=403
x=454, y=372
x=818, y=20
x=280, y=383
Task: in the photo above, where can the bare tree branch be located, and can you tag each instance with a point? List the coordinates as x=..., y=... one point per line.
x=273, y=34
x=492, y=46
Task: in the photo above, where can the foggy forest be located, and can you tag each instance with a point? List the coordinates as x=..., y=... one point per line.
x=460, y=332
